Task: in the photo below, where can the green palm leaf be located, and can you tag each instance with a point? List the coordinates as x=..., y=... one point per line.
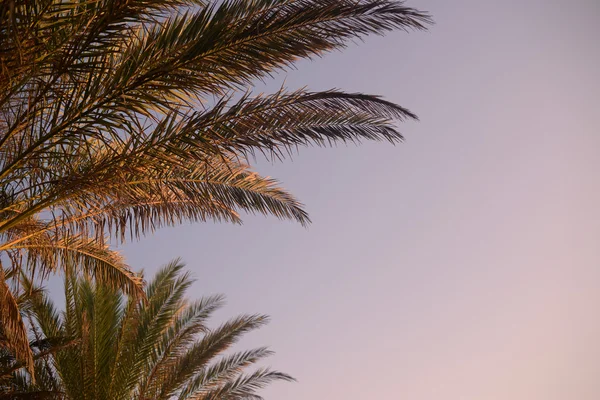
x=160, y=348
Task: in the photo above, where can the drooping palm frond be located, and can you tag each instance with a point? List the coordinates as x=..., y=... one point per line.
x=160, y=348
x=13, y=327
x=158, y=192
x=118, y=117
x=57, y=249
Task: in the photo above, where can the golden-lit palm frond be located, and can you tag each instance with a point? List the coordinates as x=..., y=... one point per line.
x=90, y=255
x=42, y=250
x=142, y=198
x=13, y=327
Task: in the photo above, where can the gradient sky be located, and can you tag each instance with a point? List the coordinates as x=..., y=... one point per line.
x=461, y=265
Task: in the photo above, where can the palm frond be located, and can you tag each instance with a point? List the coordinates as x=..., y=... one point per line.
x=163, y=304
x=13, y=326
x=224, y=370
x=202, y=352
x=232, y=43
x=175, y=341
x=243, y=387
x=54, y=251
x=283, y=121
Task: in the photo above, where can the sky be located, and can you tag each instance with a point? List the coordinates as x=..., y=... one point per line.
x=462, y=264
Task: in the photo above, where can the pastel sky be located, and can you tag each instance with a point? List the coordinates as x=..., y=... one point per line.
x=463, y=264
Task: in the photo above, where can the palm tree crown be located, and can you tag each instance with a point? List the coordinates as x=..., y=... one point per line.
x=160, y=348
x=120, y=116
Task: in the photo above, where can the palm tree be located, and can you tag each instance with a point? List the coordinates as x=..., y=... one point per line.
x=160, y=348
x=118, y=117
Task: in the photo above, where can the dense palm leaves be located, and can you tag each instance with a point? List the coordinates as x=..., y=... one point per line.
x=120, y=116
x=160, y=348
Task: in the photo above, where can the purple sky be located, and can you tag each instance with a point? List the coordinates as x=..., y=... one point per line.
x=461, y=265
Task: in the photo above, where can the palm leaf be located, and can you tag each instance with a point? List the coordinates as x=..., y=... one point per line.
x=243, y=387
x=92, y=256
x=158, y=348
x=12, y=324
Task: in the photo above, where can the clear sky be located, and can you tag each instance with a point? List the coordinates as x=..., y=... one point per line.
x=463, y=264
